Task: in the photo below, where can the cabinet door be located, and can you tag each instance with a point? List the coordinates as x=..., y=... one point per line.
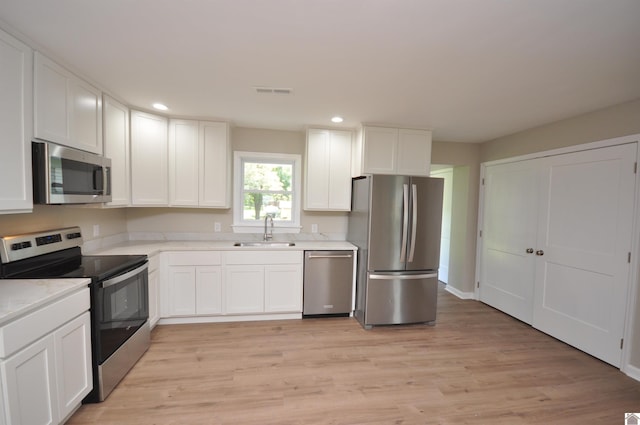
x=340, y=171
x=283, y=288
x=116, y=147
x=183, y=163
x=244, y=289
x=73, y=363
x=3, y=411
x=154, y=299
x=68, y=110
x=50, y=95
x=31, y=391
x=208, y=290
x=16, y=123
x=316, y=193
x=414, y=152
x=182, y=290
x=85, y=120
x=380, y=149
x=149, y=179
x=215, y=165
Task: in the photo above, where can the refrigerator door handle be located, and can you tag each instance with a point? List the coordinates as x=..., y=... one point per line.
x=405, y=222
x=414, y=220
x=403, y=276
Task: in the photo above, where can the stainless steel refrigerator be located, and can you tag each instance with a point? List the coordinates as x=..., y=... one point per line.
x=395, y=221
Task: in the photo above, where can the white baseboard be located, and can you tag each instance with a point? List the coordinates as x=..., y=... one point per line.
x=230, y=318
x=632, y=372
x=459, y=294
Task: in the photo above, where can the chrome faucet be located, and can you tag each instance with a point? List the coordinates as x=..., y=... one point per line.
x=268, y=235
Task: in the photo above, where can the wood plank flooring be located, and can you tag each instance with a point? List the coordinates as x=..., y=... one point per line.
x=475, y=366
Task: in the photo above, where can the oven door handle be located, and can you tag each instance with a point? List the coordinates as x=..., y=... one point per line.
x=123, y=277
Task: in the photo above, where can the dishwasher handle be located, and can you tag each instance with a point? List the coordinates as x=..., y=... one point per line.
x=311, y=256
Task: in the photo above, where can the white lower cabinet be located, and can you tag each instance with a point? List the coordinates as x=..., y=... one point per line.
x=193, y=284
x=31, y=385
x=72, y=344
x=263, y=282
x=283, y=288
x=244, y=288
x=47, y=369
x=230, y=283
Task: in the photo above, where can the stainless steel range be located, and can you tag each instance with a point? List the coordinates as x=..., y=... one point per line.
x=119, y=296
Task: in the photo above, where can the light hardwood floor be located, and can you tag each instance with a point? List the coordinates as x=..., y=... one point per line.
x=475, y=366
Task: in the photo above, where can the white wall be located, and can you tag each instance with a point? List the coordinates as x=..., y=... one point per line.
x=111, y=221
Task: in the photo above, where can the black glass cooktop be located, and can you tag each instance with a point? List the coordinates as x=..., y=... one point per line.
x=65, y=265
x=100, y=267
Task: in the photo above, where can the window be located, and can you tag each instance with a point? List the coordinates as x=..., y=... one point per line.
x=266, y=183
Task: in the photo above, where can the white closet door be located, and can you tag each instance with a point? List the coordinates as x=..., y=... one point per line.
x=582, y=275
x=508, y=231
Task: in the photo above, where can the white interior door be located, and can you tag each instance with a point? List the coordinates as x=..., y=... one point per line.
x=508, y=232
x=584, y=239
x=445, y=237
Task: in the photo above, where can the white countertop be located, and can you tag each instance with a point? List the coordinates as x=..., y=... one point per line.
x=21, y=296
x=154, y=247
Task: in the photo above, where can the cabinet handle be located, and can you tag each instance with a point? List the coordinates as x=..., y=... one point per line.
x=540, y=252
x=529, y=250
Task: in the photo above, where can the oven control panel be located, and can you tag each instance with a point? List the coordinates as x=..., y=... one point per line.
x=19, y=247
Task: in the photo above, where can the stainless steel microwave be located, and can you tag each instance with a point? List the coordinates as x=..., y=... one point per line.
x=63, y=175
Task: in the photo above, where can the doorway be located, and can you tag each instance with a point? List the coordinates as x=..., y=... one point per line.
x=445, y=172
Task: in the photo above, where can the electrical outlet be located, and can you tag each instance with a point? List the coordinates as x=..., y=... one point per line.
x=217, y=227
x=96, y=230
x=314, y=228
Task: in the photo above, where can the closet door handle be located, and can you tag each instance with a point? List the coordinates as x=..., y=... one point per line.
x=529, y=250
x=540, y=252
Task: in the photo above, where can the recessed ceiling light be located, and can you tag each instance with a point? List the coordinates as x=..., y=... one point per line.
x=337, y=119
x=160, y=106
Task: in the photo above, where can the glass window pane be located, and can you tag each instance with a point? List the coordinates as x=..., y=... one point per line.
x=264, y=176
x=258, y=204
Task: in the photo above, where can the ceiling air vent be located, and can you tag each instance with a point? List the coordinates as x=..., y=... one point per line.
x=273, y=90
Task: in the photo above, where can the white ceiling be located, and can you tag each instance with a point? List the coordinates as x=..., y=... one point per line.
x=471, y=70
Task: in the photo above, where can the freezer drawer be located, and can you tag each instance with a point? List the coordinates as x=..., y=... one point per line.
x=393, y=299
x=328, y=282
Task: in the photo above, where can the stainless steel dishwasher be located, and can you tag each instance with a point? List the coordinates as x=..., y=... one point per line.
x=328, y=283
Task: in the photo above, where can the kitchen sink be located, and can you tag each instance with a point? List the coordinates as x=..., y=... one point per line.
x=265, y=244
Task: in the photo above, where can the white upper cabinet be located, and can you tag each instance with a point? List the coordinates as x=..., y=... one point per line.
x=199, y=164
x=16, y=124
x=116, y=147
x=67, y=109
x=328, y=170
x=385, y=150
x=183, y=163
x=215, y=165
x=149, y=177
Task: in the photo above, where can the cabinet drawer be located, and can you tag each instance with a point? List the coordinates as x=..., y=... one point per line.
x=29, y=328
x=194, y=258
x=263, y=257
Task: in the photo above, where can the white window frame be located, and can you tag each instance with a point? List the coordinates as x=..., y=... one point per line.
x=242, y=226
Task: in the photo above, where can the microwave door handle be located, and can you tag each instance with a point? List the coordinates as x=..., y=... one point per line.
x=106, y=180
x=97, y=180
